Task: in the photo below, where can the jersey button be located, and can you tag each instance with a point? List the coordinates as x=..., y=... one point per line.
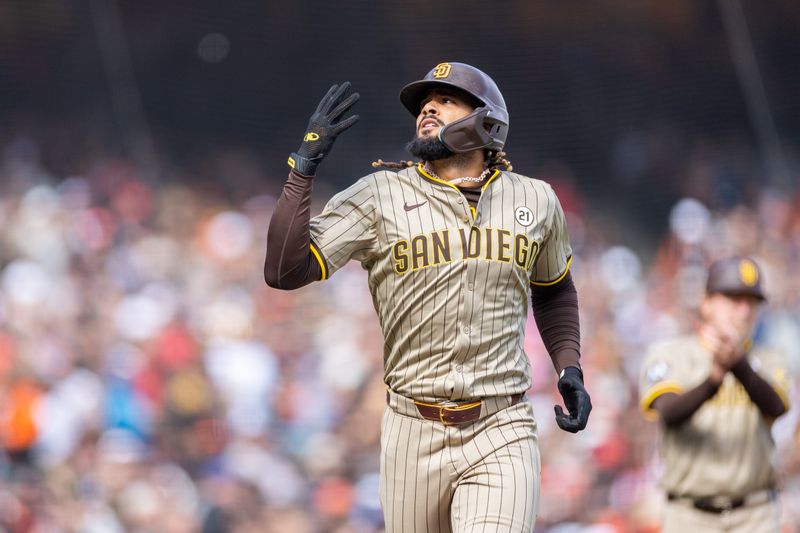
x=461, y=200
x=467, y=329
x=471, y=287
x=459, y=368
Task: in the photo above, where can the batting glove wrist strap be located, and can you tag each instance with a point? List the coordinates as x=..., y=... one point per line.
x=571, y=371
x=303, y=165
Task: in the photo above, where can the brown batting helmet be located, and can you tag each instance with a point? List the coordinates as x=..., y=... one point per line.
x=485, y=127
x=735, y=275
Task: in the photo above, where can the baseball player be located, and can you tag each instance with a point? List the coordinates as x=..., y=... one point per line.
x=453, y=247
x=717, y=396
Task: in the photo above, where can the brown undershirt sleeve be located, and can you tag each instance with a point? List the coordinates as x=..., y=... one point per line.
x=555, y=309
x=760, y=391
x=290, y=263
x=675, y=409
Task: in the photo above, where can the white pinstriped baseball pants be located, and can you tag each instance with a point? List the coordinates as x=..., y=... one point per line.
x=482, y=476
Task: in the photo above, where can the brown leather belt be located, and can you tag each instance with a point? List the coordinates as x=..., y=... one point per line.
x=456, y=415
x=718, y=505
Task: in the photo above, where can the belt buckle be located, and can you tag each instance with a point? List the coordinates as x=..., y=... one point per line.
x=726, y=506
x=456, y=408
x=716, y=505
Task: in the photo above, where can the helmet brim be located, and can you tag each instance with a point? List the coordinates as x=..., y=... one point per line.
x=411, y=95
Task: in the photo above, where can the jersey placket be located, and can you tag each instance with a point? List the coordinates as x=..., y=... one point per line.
x=470, y=309
x=457, y=379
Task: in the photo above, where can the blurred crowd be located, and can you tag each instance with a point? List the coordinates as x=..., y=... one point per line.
x=151, y=382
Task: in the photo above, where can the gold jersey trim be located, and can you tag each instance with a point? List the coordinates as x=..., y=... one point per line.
x=320, y=260
x=493, y=176
x=655, y=391
x=422, y=171
x=559, y=278
x=783, y=395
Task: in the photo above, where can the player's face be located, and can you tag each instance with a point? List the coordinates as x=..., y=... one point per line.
x=439, y=108
x=739, y=311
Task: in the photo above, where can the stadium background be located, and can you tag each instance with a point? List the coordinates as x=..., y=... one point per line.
x=150, y=381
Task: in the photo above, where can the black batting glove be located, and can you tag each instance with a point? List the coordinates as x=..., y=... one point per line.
x=323, y=128
x=577, y=400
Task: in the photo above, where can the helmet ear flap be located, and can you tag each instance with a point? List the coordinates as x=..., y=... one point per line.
x=470, y=132
x=467, y=133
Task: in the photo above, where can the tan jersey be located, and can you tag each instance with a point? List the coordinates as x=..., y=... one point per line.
x=725, y=448
x=450, y=284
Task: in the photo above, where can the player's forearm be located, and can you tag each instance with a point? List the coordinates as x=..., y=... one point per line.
x=290, y=263
x=675, y=409
x=555, y=309
x=760, y=390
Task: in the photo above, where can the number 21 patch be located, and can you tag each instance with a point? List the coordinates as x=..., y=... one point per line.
x=524, y=216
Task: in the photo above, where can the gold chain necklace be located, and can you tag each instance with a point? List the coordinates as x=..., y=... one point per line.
x=456, y=181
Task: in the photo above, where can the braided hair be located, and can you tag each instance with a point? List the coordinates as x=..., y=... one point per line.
x=498, y=159
x=494, y=159
x=392, y=164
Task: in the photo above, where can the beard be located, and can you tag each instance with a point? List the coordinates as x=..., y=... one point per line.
x=428, y=149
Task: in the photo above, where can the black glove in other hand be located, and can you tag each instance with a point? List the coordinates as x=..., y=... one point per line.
x=323, y=128
x=577, y=400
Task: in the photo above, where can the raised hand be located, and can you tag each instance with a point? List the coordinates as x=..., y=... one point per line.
x=323, y=128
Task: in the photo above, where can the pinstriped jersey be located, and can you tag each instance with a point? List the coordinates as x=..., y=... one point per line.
x=450, y=283
x=725, y=448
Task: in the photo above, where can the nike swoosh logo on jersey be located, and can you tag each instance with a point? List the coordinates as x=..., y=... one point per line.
x=410, y=207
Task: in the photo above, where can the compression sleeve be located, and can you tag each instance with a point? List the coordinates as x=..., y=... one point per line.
x=675, y=409
x=290, y=261
x=760, y=391
x=555, y=309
